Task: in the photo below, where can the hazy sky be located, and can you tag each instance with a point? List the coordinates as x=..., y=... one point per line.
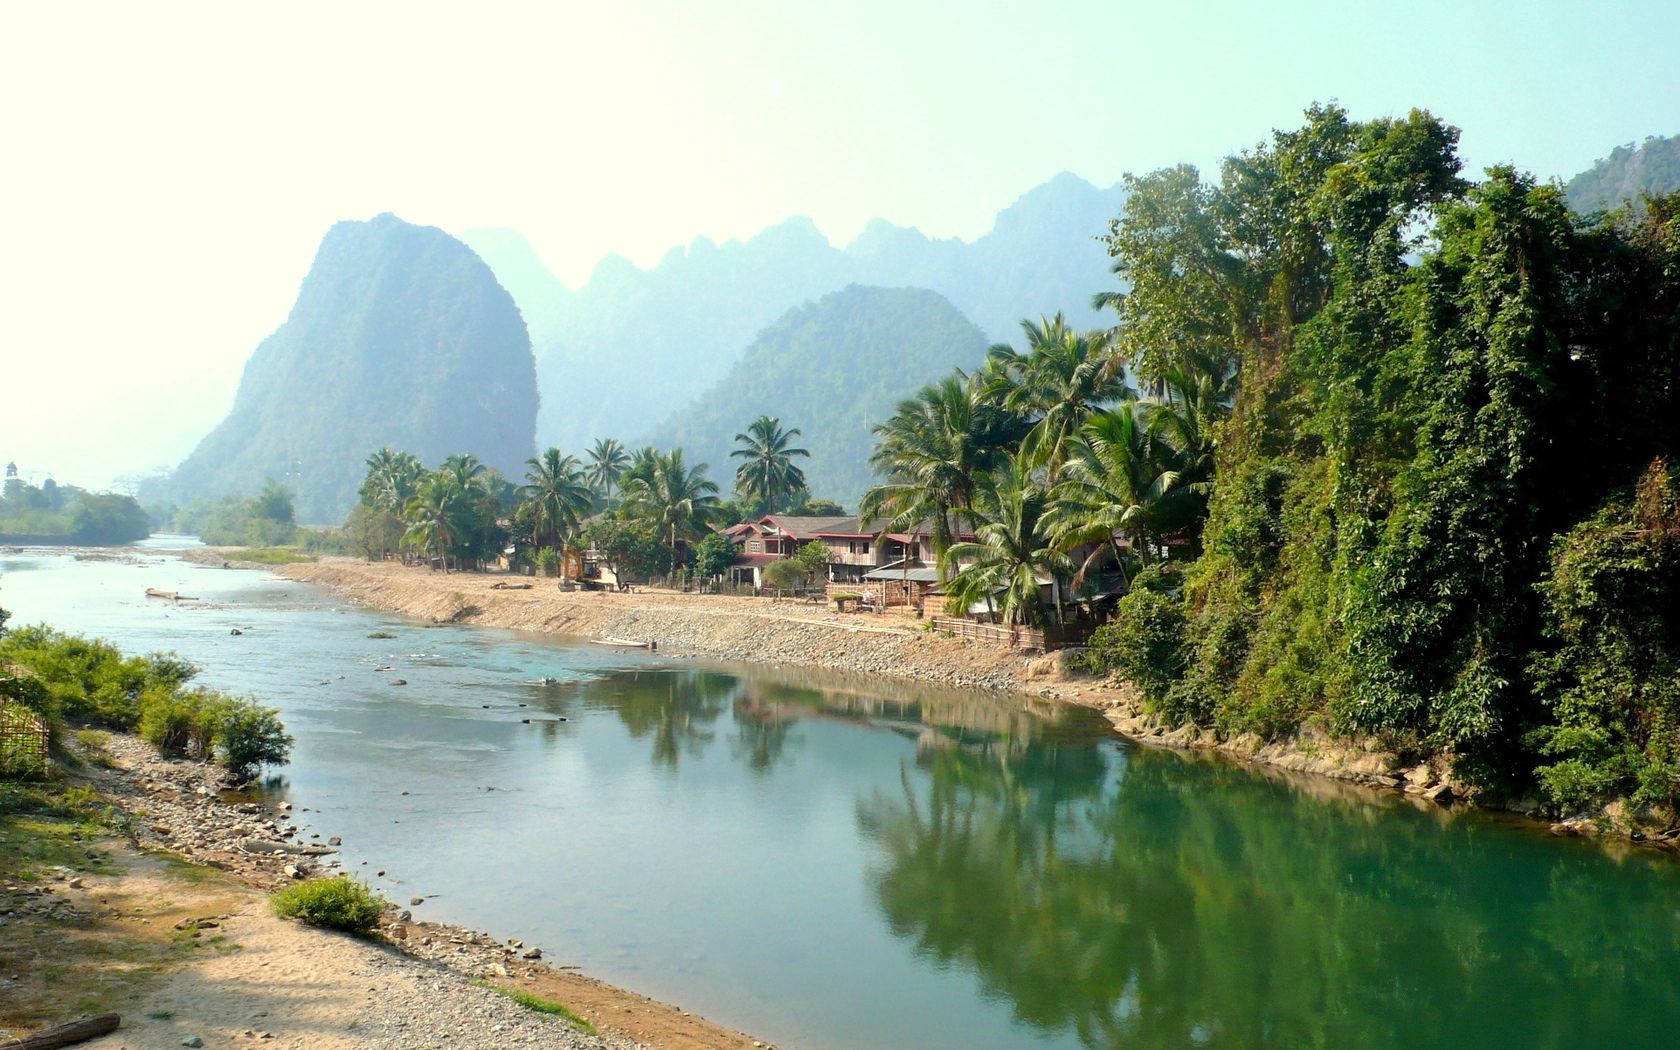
x=169, y=168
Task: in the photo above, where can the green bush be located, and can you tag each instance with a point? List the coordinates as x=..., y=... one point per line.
x=176, y=723
x=249, y=736
x=88, y=679
x=548, y=562
x=1144, y=643
x=339, y=903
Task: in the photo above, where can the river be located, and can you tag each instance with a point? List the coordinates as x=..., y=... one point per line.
x=845, y=865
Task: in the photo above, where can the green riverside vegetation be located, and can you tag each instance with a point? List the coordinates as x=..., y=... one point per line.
x=339, y=903
x=60, y=678
x=1442, y=512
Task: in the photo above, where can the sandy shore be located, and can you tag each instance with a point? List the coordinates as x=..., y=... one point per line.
x=187, y=951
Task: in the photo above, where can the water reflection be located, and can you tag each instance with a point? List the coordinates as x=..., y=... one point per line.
x=1184, y=902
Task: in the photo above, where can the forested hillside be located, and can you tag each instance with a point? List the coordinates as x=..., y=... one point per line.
x=631, y=346
x=1628, y=175
x=832, y=368
x=400, y=336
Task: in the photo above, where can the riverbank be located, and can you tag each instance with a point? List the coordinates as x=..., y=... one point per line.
x=139, y=885
x=768, y=631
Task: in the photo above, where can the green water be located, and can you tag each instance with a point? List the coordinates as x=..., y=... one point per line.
x=842, y=864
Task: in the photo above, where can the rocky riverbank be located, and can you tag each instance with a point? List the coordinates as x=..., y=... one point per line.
x=418, y=983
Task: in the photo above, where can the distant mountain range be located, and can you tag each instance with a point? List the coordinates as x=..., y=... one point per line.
x=618, y=356
x=400, y=336
x=832, y=368
x=1628, y=175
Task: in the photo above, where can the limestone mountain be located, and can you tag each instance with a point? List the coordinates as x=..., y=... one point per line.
x=621, y=353
x=400, y=336
x=1628, y=175
x=832, y=368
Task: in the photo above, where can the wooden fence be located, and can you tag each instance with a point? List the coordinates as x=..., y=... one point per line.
x=23, y=742
x=1056, y=636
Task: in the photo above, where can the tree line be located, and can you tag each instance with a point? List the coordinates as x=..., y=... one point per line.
x=647, y=512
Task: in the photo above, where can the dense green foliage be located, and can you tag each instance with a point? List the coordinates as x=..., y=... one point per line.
x=400, y=336
x=1438, y=382
x=834, y=367
x=633, y=346
x=58, y=513
x=1628, y=176
x=339, y=903
x=62, y=677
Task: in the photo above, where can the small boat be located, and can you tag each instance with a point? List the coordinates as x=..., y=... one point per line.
x=174, y=596
x=625, y=643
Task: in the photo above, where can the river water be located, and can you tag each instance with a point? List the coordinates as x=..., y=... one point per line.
x=845, y=865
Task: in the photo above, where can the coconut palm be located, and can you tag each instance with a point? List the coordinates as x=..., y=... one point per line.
x=608, y=460
x=677, y=499
x=1012, y=549
x=391, y=479
x=434, y=514
x=933, y=452
x=1062, y=379
x=464, y=467
x=557, y=496
x=1119, y=482
x=768, y=479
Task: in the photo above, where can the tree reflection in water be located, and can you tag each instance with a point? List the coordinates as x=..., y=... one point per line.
x=1171, y=902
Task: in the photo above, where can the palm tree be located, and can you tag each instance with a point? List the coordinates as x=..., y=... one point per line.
x=1011, y=550
x=1119, y=481
x=558, y=496
x=608, y=461
x=1062, y=379
x=464, y=467
x=676, y=498
x=434, y=516
x=391, y=479
x=932, y=453
x=768, y=478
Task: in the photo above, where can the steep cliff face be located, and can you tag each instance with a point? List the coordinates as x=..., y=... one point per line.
x=400, y=336
x=833, y=368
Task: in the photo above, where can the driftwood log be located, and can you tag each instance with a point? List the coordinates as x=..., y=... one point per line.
x=78, y=1031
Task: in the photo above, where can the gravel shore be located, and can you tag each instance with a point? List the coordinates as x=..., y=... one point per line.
x=418, y=984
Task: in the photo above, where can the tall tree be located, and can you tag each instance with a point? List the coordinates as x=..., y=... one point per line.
x=1059, y=382
x=1012, y=549
x=767, y=477
x=608, y=460
x=558, y=496
x=676, y=498
x=932, y=454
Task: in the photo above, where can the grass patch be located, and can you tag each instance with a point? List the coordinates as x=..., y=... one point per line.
x=339, y=903
x=541, y=1006
x=273, y=555
x=381, y=634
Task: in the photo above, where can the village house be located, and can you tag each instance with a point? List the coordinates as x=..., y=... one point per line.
x=887, y=568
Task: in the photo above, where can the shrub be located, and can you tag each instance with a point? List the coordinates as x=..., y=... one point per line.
x=548, y=562
x=785, y=575
x=249, y=735
x=339, y=903
x=179, y=723
x=1144, y=643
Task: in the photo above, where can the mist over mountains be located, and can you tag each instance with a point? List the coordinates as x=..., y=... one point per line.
x=632, y=346
x=400, y=336
x=833, y=368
